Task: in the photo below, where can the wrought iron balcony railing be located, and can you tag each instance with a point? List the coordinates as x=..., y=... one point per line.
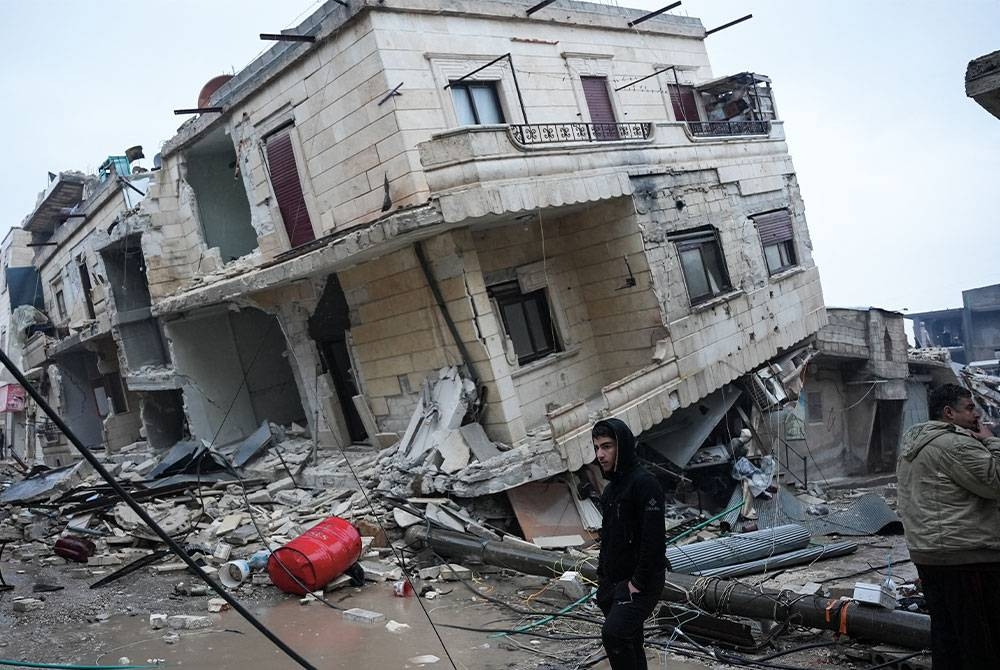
x=550, y=133
x=728, y=128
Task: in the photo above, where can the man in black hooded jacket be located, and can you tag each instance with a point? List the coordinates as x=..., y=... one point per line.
x=630, y=570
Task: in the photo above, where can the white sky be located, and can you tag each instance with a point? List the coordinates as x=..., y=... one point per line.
x=897, y=166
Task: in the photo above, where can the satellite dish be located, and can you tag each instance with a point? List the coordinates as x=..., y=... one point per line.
x=213, y=85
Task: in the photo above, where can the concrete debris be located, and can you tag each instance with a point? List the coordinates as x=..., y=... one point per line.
x=189, y=621
x=363, y=615
x=424, y=659
x=396, y=627
x=28, y=604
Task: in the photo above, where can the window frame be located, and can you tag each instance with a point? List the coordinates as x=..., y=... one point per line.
x=508, y=294
x=467, y=85
x=784, y=245
x=698, y=239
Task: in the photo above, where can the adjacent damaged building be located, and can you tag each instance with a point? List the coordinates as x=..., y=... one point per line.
x=579, y=214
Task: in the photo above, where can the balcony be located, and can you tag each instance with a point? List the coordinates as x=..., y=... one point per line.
x=492, y=171
x=553, y=133
x=728, y=128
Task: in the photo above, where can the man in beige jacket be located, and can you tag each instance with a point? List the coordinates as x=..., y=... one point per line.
x=949, y=500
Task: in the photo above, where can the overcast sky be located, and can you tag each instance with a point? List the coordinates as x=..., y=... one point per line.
x=898, y=167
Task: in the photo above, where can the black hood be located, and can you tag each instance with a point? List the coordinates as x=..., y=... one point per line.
x=627, y=458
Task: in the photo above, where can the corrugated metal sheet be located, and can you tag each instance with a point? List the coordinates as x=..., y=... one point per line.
x=868, y=515
x=800, y=557
x=736, y=548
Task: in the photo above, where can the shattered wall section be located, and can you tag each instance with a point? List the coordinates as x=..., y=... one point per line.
x=399, y=336
x=235, y=373
x=174, y=250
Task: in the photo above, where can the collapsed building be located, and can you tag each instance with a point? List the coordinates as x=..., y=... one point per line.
x=581, y=215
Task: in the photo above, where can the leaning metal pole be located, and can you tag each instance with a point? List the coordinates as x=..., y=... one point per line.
x=905, y=629
x=138, y=509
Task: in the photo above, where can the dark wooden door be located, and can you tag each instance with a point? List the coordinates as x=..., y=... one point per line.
x=602, y=113
x=683, y=101
x=288, y=189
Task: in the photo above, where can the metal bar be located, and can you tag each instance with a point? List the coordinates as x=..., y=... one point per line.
x=279, y=37
x=125, y=182
x=701, y=556
x=199, y=110
x=720, y=596
x=785, y=560
x=390, y=94
x=704, y=523
x=478, y=69
x=418, y=248
x=517, y=88
x=142, y=514
x=540, y=5
x=646, y=17
x=636, y=81
x=727, y=25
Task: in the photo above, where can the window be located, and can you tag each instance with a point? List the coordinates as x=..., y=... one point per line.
x=703, y=264
x=476, y=102
x=814, y=407
x=115, y=390
x=61, y=303
x=527, y=320
x=775, y=230
x=887, y=343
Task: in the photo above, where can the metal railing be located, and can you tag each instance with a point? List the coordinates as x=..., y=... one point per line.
x=728, y=128
x=551, y=133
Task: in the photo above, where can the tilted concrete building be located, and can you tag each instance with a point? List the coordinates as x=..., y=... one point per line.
x=578, y=210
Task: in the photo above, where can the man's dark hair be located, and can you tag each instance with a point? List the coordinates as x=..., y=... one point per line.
x=945, y=396
x=603, y=430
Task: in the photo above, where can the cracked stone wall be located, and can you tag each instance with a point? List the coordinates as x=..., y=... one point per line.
x=606, y=327
x=719, y=340
x=399, y=337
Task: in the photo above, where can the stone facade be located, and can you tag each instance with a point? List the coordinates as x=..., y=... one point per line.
x=427, y=236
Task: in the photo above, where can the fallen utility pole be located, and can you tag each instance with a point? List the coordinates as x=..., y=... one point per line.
x=129, y=500
x=717, y=596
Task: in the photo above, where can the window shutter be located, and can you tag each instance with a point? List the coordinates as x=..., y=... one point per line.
x=774, y=227
x=683, y=102
x=595, y=90
x=288, y=189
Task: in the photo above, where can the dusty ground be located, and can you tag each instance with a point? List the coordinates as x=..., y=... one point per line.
x=100, y=626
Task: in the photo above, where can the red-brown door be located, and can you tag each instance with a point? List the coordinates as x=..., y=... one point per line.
x=683, y=102
x=602, y=113
x=288, y=189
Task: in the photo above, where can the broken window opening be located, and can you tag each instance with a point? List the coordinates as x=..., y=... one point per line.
x=61, y=303
x=115, y=391
x=287, y=188
x=213, y=172
x=477, y=103
x=887, y=343
x=527, y=319
x=777, y=238
x=85, y=283
x=329, y=326
x=703, y=263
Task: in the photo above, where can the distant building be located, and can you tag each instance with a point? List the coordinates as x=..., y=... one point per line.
x=982, y=82
x=970, y=333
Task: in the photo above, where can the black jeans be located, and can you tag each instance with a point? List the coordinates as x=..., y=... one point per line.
x=624, y=614
x=965, y=619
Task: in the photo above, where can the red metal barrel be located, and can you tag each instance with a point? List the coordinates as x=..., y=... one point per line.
x=316, y=557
